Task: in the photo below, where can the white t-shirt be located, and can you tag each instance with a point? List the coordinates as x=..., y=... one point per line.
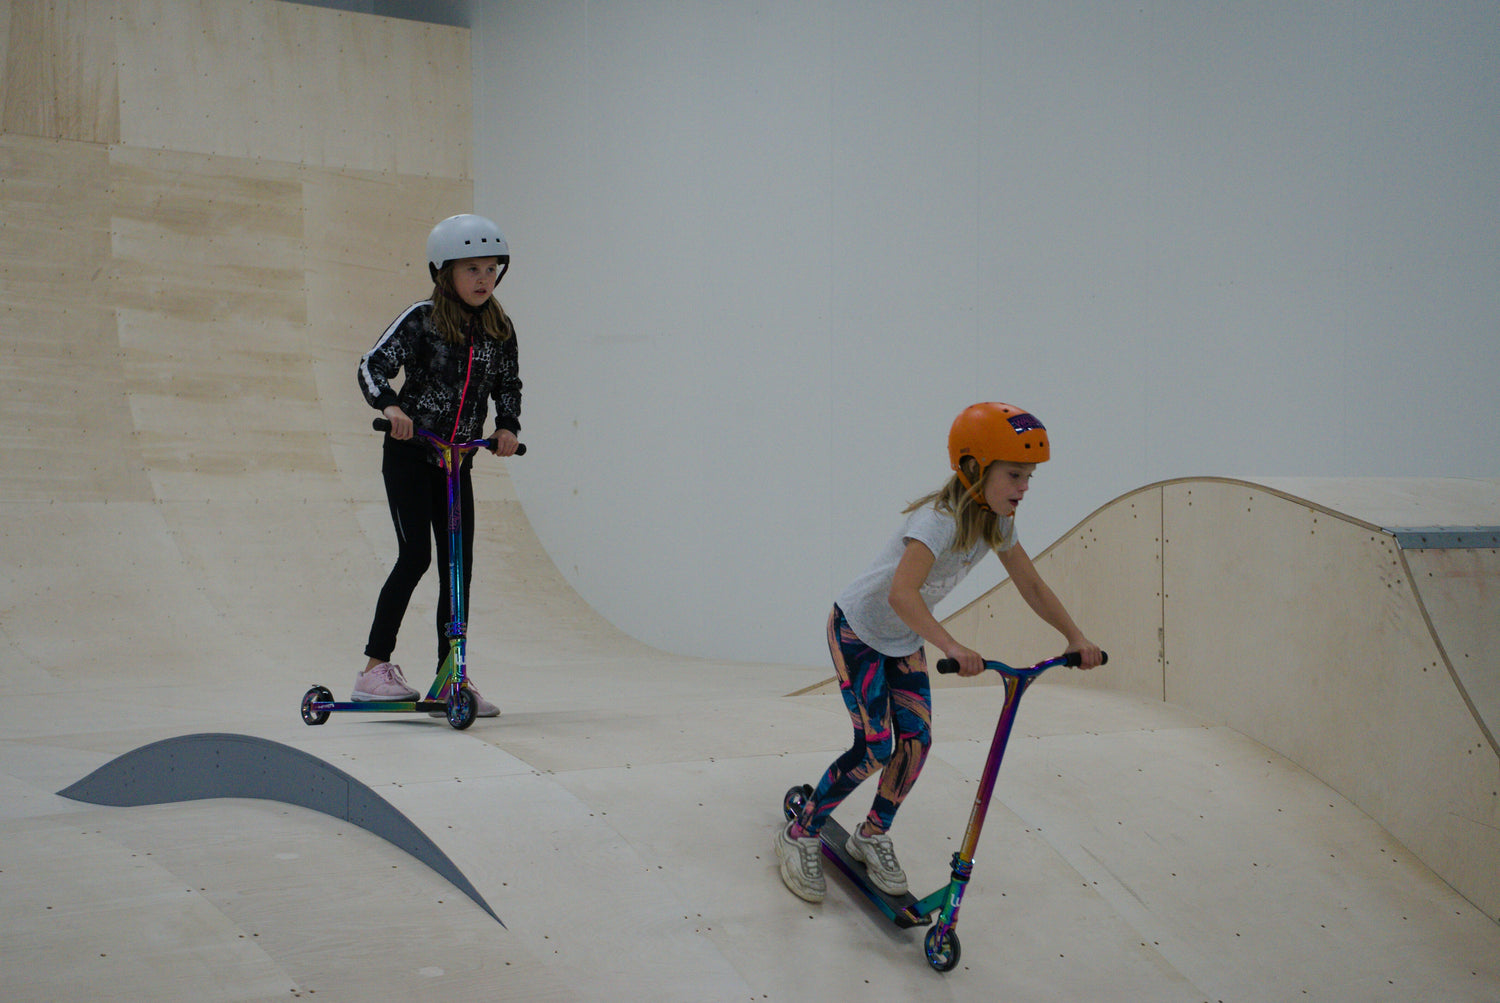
x=866, y=602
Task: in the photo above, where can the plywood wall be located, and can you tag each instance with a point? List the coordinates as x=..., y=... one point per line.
x=61, y=71
x=257, y=79
x=208, y=210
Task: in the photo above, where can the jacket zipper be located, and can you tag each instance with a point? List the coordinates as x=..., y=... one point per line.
x=458, y=418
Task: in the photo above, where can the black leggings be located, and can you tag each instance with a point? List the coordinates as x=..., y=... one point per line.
x=418, y=494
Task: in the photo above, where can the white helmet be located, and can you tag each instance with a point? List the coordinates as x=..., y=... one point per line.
x=466, y=236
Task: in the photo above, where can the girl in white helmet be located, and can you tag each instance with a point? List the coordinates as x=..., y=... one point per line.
x=879, y=623
x=458, y=351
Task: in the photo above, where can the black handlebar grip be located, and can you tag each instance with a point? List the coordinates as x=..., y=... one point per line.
x=949, y=666
x=1073, y=659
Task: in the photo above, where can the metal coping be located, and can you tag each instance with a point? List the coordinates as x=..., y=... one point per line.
x=1446, y=537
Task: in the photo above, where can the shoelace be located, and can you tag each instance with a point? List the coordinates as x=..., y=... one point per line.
x=884, y=850
x=812, y=859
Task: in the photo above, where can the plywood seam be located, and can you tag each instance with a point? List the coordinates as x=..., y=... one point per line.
x=1161, y=590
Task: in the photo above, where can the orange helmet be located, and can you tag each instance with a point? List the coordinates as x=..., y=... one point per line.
x=990, y=432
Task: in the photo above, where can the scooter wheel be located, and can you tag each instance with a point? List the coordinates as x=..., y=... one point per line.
x=318, y=694
x=796, y=797
x=461, y=708
x=942, y=948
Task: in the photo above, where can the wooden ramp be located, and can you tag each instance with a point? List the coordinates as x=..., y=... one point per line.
x=1352, y=626
x=619, y=815
x=209, y=210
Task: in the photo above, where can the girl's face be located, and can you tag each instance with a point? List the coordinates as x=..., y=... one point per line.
x=474, y=279
x=1005, y=485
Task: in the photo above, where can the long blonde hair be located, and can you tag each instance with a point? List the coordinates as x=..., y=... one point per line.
x=975, y=522
x=454, y=318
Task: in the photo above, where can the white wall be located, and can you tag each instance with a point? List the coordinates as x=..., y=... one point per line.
x=764, y=253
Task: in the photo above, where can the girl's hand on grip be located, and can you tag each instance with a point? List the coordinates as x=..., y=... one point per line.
x=1089, y=654
x=506, y=443
x=401, y=426
x=970, y=663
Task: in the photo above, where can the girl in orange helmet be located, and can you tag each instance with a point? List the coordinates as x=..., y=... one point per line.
x=878, y=625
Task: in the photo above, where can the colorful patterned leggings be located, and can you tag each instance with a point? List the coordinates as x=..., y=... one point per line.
x=890, y=705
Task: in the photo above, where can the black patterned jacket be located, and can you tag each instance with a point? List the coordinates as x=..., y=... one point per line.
x=447, y=386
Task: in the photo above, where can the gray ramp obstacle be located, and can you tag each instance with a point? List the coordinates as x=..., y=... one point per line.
x=197, y=767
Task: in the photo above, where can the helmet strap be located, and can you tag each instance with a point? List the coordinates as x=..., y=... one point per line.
x=976, y=495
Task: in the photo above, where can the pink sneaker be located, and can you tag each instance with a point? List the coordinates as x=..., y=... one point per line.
x=482, y=707
x=384, y=682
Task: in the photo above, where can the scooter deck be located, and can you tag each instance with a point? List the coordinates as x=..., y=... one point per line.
x=428, y=705
x=897, y=908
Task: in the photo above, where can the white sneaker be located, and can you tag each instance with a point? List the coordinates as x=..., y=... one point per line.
x=880, y=861
x=801, y=864
x=383, y=682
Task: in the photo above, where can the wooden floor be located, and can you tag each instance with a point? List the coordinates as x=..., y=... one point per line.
x=618, y=816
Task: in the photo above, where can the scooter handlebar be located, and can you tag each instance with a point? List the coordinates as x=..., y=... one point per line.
x=949, y=666
x=384, y=425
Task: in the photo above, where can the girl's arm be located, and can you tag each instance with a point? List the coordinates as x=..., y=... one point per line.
x=905, y=598
x=1046, y=605
x=381, y=363
x=505, y=392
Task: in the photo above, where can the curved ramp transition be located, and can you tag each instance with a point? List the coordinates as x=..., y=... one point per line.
x=1351, y=625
